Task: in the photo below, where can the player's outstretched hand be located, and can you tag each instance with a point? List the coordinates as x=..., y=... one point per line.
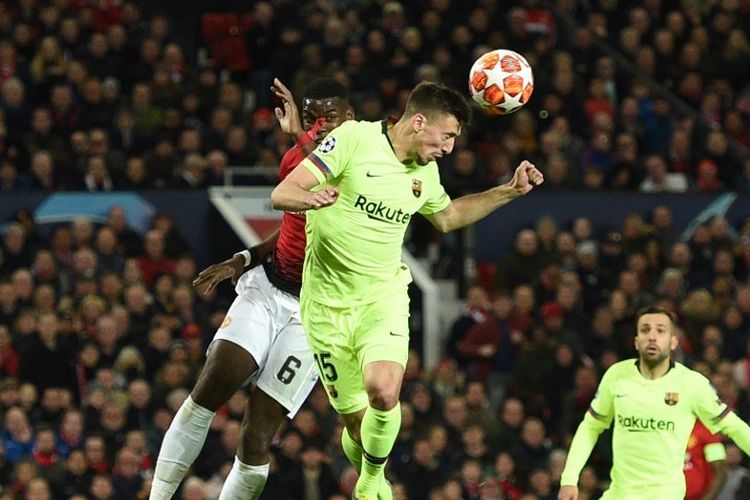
x=526, y=177
x=323, y=198
x=288, y=117
x=568, y=493
x=216, y=273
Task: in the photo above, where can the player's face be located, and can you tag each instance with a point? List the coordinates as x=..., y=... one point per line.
x=333, y=110
x=655, y=339
x=436, y=137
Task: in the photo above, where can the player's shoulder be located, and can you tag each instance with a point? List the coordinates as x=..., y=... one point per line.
x=688, y=374
x=624, y=368
x=349, y=134
x=353, y=127
x=346, y=136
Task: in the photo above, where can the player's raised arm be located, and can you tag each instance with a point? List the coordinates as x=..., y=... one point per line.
x=597, y=419
x=471, y=208
x=289, y=119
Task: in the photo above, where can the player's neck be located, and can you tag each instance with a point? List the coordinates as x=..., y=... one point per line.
x=656, y=371
x=401, y=141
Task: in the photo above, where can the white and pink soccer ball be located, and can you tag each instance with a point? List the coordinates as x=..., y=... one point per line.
x=501, y=81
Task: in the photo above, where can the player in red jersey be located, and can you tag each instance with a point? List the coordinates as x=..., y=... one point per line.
x=261, y=338
x=705, y=464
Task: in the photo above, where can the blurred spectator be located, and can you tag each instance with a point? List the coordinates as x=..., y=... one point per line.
x=17, y=436
x=154, y=259
x=659, y=179
x=523, y=263
x=46, y=360
x=476, y=311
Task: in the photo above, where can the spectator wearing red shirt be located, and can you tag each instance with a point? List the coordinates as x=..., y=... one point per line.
x=705, y=464
x=153, y=261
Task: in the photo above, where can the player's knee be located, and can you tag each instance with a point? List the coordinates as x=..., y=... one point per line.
x=383, y=396
x=226, y=368
x=383, y=384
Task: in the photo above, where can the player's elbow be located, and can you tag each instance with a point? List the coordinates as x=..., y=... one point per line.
x=442, y=224
x=445, y=228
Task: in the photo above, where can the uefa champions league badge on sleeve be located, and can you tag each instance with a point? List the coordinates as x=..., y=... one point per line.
x=327, y=145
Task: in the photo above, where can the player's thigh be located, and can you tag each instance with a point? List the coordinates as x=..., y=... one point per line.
x=239, y=347
x=382, y=332
x=251, y=321
x=328, y=333
x=289, y=373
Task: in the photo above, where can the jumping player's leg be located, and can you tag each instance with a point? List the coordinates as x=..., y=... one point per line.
x=262, y=418
x=382, y=346
x=227, y=367
x=238, y=349
x=340, y=367
x=351, y=443
x=284, y=383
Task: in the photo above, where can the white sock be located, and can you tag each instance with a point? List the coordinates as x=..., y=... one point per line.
x=181, y=445
x=244, y=482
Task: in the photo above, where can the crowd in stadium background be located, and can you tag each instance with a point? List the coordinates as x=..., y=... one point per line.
x=101, y=333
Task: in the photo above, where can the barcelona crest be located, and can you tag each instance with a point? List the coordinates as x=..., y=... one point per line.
x=416, y=187
x=671, y=398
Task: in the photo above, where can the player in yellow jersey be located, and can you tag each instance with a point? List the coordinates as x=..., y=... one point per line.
x=653, y=403
x=361, y=186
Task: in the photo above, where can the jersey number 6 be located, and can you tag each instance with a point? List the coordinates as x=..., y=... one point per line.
x=287, y=371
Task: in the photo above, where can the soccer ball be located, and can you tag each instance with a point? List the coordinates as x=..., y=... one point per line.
x=501, y=81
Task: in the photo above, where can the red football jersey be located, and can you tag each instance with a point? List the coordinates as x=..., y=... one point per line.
x=698, y=471
x=289, y=253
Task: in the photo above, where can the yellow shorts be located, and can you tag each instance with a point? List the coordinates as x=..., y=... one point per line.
x=345, y=340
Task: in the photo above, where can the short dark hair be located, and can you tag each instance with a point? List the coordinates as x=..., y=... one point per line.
x=658, y=310
x=436, y=98
x=326, y=87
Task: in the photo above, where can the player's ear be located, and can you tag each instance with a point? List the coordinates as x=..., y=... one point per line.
x=674, y=341
x=418, y=121
x=349, y=113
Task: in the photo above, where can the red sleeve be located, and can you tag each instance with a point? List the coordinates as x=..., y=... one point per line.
x=291, y=159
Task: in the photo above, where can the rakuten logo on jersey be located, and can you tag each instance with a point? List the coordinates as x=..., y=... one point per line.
x=644, y=424
x=383, y=213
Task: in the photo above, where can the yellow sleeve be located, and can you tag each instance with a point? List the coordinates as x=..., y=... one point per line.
x=707, y=405
x=597, y=419
x=737, y=430
x=437, y=198
x=717, y=416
